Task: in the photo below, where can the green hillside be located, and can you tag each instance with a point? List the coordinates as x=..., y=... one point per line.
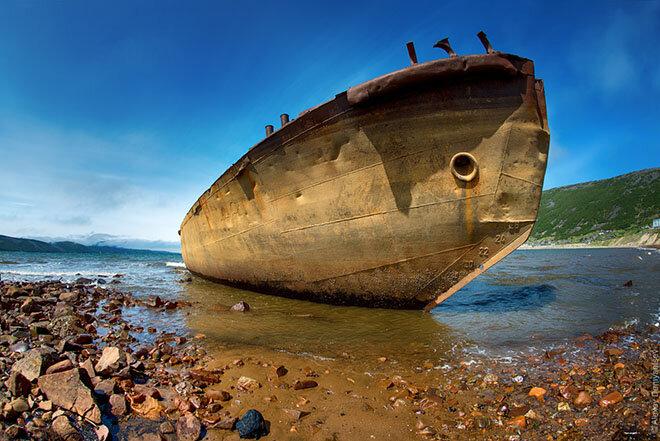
x=599, y=210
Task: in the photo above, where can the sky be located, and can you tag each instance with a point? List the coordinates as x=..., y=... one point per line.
x=116, y=115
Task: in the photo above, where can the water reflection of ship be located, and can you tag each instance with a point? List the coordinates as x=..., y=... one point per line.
x=396, y=193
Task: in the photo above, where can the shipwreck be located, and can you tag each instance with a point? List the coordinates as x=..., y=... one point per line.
x=396, y=193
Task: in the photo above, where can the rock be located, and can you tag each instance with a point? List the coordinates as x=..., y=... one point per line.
x=518, y=411
x=83, y=281
x=19, y=405
x=218, y=395
x=583, y=400
x=204, y=375
x=188, y=428
x=19, y=347
x=166, y=427
x=146, y=406
x=154, y=301
x=35, y=363
x=519, y=422
x=65, y=429
x=106, y=387
x=71, y=390
x=305, y=384
x=69, y=297
x=46, y=405
x=240, y=307
x=112, y=360
x=18, y=385
x=568, y=392
x=610, y=399
x=491, y=378
x=28, y=306
x=89, y=367
x=8, y=340
x=60, y=366
x=147, y=391
x=563, y=406
x=385, y=383
x=227, y=423
x=246, y=383
x=518, y=379
x=66, y=325
x=118, y=405
x=613, y=352
x=280, y=371
x=537, y=392
x=15, y=291
x=252, y=425
x=102, y=432
x=294, y=413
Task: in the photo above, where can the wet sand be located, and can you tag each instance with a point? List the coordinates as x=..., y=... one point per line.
x=595, y=387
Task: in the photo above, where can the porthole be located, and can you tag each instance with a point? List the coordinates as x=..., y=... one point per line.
x=464, y=166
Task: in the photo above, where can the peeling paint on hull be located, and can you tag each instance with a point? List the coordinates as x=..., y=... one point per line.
x=394, y=194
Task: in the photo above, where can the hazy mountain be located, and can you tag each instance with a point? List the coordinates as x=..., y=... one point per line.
x=8, y=243
x=109, y=240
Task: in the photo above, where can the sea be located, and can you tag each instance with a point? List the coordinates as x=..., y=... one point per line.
x=533, y=300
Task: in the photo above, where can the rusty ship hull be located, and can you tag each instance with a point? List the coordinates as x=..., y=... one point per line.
x=396, y=193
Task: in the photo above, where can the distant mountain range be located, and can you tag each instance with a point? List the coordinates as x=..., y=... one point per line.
x=8, y=243
x=109, y=240
x=609, y=212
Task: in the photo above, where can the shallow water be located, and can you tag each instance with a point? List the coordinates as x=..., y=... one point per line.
x=530, y=301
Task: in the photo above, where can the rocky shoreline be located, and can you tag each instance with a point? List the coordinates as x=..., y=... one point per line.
x=73, y=367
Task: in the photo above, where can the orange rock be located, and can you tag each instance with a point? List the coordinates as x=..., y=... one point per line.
x=611, y=398
x=537, y=392
x=148, y=407
x=519, y=422
x=385, y=383
x=582, y=400
x=612, y=352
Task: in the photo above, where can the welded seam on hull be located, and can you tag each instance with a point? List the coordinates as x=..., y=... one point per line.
x=366, y=167
x=362, y=216
x=505, y=150
x=284, y=144
x=408, y=259
x=522, y=179
x=241, y=232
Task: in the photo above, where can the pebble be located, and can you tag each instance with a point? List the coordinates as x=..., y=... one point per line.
x=582, y=400
x=610, y=399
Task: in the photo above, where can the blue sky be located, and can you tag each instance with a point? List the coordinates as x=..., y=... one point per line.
x=116, y=115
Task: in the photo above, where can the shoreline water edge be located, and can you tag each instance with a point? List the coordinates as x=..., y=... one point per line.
x=75, y=365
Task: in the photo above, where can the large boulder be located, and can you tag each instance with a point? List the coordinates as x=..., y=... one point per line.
x=35, y=362
x=71, y=390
